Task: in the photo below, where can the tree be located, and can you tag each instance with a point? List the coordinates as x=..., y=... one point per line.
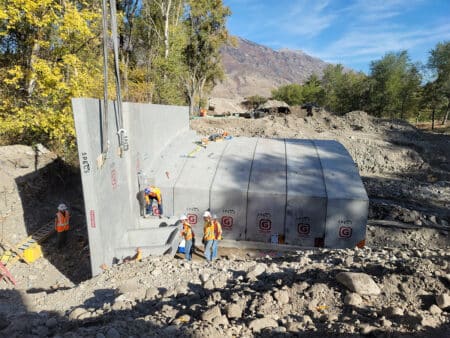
x=255, y=101
x=206, y=33
x=312, y=90
x=292, y=94
x=439, y=64
x=331, y=82
x=395, y=84
x=48, y=54
x=155, y=39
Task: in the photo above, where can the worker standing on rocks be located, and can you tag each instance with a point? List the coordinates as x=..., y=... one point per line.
x=208, y=235
x=189, y=237
x=62, y=225
x=153, y=193
x=212, y=234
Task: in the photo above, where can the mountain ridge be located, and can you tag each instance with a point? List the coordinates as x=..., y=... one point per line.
x=254, y=69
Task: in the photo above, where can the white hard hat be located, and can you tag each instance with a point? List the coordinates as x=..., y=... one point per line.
x=183, y=217
x=214, y=216
x=206, y=214
x=62, y=207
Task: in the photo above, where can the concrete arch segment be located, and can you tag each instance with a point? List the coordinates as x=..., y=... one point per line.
x=303, y=192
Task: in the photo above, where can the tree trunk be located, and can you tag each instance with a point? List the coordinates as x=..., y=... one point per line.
x=166, y=12
x=444, y=120
x=432, y=118
x=31, y=81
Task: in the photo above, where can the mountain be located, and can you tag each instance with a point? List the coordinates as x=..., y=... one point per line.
x=253, y=69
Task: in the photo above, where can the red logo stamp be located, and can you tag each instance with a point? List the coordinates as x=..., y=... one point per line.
x=92, y=217
x=265, y=225
x=227, y=222
x=345, y=232
x=303, y=229
x=192, y=218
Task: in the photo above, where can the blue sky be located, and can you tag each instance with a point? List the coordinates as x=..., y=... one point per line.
x=351, y=32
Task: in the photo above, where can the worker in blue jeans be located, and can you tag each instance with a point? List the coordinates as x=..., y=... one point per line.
x=212, y=233
x=188, y=236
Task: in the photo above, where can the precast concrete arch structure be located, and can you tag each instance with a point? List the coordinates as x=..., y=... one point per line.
x=304, y=193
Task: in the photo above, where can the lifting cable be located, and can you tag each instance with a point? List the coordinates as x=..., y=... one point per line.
x=104, y=109
x=121, y=132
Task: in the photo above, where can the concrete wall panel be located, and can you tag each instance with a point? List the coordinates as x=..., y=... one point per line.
x=104, y=186
x=346, y=222
x=110, y=190
x=230, y=186
x=347, y=208
x=169, y=165
x=192, y=189
x=306, y=208
x=267, y=191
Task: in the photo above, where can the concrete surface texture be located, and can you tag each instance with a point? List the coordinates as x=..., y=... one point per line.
x=298, y=192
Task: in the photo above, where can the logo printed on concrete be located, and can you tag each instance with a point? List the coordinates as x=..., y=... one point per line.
x=303, y=229
x=265, y=225
x=192, y=218
x=345, y=232
x=227, y=222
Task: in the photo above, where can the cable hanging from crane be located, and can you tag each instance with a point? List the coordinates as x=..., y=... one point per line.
x=121, y=132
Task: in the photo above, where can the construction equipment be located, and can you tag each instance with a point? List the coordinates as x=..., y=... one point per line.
x=29, y=249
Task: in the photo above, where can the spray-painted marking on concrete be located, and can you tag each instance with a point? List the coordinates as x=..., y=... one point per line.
x=113, y=176
x=92, y=218
x=85, y=163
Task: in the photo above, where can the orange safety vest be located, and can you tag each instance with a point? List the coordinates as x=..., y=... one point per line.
x=217, y=230
x=208, y=231
x=62, y=221
x=187, y=232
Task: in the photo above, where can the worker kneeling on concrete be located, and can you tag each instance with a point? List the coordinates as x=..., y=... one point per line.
x=212, y=234
x=62, y=225
x=150, y=194
x=189, y=237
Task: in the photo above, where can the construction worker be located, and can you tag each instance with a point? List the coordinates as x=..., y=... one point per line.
x=217, y=236
x=153, y=193
x=208, y=235
x=62, y=225
x=212, y=234
x=189, y=237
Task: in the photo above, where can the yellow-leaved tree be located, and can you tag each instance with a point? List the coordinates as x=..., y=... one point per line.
x=49, y=53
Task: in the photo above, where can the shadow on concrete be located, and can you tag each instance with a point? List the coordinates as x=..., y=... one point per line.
x=40, y=192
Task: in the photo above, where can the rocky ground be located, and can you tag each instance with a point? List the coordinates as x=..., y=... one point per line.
x=398, y=286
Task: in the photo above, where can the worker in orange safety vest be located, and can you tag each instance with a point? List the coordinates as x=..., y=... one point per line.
x=62, y=225
x=212, y=233
x=189, y=237
x=153, y=193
